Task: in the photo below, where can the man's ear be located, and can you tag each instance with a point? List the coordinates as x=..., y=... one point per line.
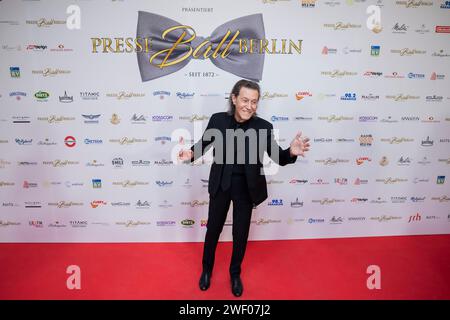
x=233, y=98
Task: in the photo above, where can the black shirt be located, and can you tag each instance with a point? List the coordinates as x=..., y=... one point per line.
x=234, y=169
x=238, y=168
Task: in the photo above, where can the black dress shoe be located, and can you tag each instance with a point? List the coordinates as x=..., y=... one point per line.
x=205, y=281
x=236, y=286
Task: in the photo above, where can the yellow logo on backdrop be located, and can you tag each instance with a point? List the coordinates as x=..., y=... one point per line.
x=204, y=50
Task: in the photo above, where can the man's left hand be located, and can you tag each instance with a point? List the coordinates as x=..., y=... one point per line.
x=299, y=145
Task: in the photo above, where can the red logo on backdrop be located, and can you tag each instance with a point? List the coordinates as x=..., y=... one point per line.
x=442, y=29
x=70, y=141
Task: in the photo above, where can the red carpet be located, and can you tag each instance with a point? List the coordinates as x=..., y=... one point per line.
x=412, y=267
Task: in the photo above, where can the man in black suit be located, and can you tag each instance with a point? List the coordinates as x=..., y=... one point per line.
x=240, y=139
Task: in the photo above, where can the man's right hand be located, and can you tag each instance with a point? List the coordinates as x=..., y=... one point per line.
x=185, y=155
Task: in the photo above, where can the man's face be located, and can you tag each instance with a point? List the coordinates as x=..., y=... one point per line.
x=246, y=104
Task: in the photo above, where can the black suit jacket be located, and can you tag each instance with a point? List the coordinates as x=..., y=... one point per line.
x=253, y=170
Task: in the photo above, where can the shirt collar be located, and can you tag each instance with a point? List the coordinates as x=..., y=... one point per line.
x=242, y=125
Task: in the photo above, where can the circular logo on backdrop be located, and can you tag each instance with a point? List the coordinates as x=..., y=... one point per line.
x=70, y=141
x=384, y=161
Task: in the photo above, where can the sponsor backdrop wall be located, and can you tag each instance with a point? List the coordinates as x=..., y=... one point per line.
x=97, y=95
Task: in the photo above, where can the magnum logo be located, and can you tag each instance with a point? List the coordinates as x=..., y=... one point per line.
x=164, y=46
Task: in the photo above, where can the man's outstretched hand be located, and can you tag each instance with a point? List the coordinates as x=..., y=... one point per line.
x=185, y=155
x=299, y=145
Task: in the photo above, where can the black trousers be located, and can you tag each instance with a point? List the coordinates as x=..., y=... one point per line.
x=218, y=209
